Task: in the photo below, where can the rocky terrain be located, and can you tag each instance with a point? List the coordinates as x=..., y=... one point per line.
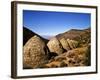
x=68, y=49
x=82, y=36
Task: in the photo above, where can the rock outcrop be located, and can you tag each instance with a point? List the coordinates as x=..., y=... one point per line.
x=35, y=53
x=82, y=36
x=68, y=44
x=72, y=58
x=55, y=46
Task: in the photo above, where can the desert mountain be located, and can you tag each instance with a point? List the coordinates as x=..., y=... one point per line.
x=83, y=36
x=27, y=34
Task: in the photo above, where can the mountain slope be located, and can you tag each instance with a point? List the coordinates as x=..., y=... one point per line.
x=83, y=36
x=27, y=34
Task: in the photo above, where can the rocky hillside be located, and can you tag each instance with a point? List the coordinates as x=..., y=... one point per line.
x=82, y=36
x=68, y=49
x=27, y=34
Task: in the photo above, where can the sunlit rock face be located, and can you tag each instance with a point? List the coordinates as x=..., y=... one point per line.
x=68, y=44
x=34, y=53
x=55, y=46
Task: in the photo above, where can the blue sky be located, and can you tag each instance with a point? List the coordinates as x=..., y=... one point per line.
x=53, y=23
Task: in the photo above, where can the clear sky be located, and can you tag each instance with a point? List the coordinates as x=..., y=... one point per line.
x=53, y=23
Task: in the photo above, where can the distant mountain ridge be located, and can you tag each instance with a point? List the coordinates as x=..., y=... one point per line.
x=47, y=36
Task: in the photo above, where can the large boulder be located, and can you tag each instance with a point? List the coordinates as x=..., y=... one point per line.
x=72, y=43
x=35, y=53
x=72, y=58
x=65, y=44
x=68, y=44
x=55, y=46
